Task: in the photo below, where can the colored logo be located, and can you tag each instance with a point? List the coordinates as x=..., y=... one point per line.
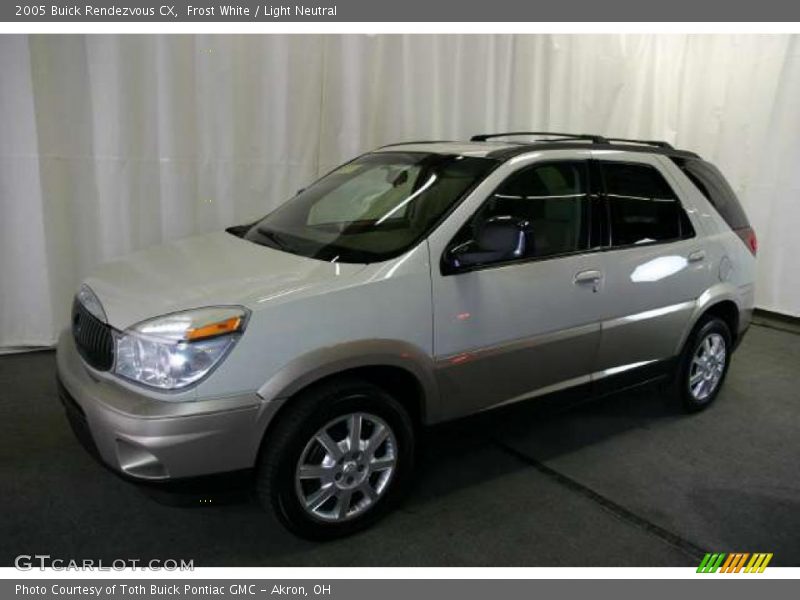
x=735, y=562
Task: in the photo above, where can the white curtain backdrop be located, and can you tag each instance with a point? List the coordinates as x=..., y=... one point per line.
x=112, y=143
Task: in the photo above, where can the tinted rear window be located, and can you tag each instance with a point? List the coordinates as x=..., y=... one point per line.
x=643, y=209
x=711, y=183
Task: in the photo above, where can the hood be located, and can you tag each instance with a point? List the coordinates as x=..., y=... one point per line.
x=205, y=270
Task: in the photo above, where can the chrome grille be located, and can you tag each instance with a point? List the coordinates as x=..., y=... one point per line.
x=92, y=337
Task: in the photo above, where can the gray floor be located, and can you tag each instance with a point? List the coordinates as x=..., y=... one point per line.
x=627, y=481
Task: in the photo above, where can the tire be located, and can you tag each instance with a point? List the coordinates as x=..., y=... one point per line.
x=361, y=483
x=702, y=367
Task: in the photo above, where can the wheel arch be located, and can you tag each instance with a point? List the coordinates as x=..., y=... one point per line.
x=400, y=368
x=728, y=311
x=721, y=302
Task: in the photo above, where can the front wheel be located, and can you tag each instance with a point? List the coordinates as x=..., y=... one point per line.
x=704, y=364
x=337, y=461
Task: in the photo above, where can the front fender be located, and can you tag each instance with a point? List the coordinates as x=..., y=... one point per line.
x=323, y=362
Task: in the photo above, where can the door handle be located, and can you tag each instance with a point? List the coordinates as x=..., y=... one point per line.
x=697, y=256
x=588, y=277
x=593, y=277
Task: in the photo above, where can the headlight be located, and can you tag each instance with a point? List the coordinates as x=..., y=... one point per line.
x=90, y=302
x=176, y=350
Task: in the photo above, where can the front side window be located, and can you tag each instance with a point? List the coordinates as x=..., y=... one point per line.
x=373, y=208
x=544, y=206
x=642, y=207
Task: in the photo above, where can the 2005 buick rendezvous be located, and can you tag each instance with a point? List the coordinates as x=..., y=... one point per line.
x=418, y=283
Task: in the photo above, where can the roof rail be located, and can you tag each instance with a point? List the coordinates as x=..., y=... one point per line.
x=657, y=143
x=416, y=142
x=597, y=139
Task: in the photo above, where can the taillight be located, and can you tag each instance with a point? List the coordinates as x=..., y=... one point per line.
x=748, y=236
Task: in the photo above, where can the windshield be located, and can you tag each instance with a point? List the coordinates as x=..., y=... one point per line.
x=372, y=208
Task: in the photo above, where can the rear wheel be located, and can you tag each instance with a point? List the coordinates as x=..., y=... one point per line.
x=704, y=364
x=338, y=460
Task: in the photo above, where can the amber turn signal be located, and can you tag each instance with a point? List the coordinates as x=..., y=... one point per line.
x=219, y=328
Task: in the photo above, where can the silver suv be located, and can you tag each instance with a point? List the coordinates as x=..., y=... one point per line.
x=415, y=284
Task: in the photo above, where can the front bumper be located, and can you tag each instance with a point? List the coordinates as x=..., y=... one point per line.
x=153, y=439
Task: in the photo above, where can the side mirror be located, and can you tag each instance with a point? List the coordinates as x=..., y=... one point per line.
x=498, y=238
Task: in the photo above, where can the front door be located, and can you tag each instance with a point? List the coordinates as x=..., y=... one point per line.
x=517, y=326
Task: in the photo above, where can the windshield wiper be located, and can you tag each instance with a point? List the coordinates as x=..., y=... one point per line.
x=274, y=238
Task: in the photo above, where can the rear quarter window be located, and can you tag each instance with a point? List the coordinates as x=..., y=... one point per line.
x=712, y=184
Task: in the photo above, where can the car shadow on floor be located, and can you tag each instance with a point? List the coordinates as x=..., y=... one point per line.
x=454, y=459
x=449, y=456
x=558, y=429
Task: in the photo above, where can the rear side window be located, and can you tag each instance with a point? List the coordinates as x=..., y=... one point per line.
x=711, y=183
x=642, y=208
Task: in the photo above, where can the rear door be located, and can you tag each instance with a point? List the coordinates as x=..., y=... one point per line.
x=654, y=267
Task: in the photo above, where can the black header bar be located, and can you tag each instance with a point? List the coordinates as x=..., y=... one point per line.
x=400, y=11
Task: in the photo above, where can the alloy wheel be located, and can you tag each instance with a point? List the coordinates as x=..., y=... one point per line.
x=708, y=366
x=346, y=467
